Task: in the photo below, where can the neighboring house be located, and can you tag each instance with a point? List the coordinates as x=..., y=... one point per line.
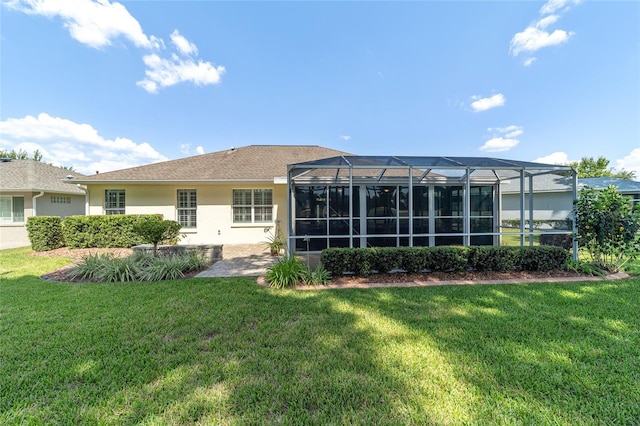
x=553, y=195
x=32, y=188
x=226, y=197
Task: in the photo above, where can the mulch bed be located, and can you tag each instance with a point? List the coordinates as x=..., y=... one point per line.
x=374, y=280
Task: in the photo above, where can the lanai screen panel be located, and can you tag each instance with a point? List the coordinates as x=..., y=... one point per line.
x=402, y=200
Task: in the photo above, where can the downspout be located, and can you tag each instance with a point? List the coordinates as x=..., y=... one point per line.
x=574, y=219
x=33, y=202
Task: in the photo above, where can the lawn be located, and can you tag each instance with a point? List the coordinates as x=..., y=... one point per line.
x=226, y=351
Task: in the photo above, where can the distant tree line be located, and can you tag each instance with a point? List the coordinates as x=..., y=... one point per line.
x=588, y=167
x=24, y=155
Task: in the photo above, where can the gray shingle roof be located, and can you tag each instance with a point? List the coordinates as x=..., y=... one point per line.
x=623, y=185
x=249, y=163
x=31, y=175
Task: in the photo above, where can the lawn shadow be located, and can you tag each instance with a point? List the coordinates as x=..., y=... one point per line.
x=536, y=353
x=191, y=351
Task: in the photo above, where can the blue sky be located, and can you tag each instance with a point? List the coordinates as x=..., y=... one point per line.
x=103, y=85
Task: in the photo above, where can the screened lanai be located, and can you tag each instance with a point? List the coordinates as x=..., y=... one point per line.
x=394, y=201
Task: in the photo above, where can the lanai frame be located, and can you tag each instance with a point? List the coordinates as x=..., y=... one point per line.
x=420, y=170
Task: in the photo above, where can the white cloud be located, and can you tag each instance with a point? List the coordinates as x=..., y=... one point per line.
x=199, y=150
x=502, y=138
x=98, y=23
x=558, y=157
x=499, y=144
x=554, y=5
x=92, y=23
x=483, y=104
x=185, y=148
x=182, y=44
x=509, y=131
x=630, y=163
x=67, y=143
x=345, y=137
x=536, y=36
x=163, y=72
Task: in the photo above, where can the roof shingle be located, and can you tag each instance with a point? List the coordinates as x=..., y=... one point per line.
x=249, y=163
x=31, y=175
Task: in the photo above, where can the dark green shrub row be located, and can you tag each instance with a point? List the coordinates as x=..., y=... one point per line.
x=103, y=231
x=45, y=232
x=363, y=262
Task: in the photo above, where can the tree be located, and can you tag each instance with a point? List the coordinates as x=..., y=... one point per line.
x=607, y=227
x=589, y=167
x=21, y=154
x=24, y=155
x=154, y=230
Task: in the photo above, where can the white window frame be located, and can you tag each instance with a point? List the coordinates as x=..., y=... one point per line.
x=190, y=208
x=118, y=209
x=12, y=217
x=256, y=210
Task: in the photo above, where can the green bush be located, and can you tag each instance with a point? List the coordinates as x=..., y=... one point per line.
x=103, y=231
x=361, y=261
x=319, y=276
x=494, y=258
x=543, y=258
x=285, y=273
x=385, y=259
x=45, y=232
x=446, y=259
x=137, y=267
x=414, y=260
x=154, y=230
x=608, y=227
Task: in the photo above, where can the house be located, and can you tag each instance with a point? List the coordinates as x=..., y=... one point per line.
x=552, y=195
x=227, y=197
x=318, y=197
x=32, y=188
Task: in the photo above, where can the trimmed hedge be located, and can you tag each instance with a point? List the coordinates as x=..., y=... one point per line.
x=103, y=231
x=45, y=232
x=364, y=261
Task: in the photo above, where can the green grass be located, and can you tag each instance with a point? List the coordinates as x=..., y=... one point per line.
x=226, y=351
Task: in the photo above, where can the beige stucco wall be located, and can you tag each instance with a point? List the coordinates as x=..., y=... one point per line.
x=15, y=234
x=214, y=214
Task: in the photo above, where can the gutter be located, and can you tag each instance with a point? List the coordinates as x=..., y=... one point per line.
x=34, y=202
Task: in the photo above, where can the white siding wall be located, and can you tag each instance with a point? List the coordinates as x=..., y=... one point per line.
x=547, y=206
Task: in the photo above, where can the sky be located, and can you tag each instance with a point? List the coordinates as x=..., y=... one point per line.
x=105, y=85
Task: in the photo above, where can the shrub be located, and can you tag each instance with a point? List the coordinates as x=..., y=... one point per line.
x=446, y=258
x=102, y=231
x=45, y=232
x=607, y=227
x=137, y=267
x=285, y=273
x=415, y=259
x=154, y=230
x=493, y=258
x=320, y=276
x=384, y=259
x=543, y=258
x=336, y=260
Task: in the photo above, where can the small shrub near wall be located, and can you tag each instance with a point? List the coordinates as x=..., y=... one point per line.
x=364, y=261
x=45, y=232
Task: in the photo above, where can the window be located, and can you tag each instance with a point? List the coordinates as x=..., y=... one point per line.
x=252, y=205
x=114, y=201
x=187, y=208
x=59, y=199
x=11, y=209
